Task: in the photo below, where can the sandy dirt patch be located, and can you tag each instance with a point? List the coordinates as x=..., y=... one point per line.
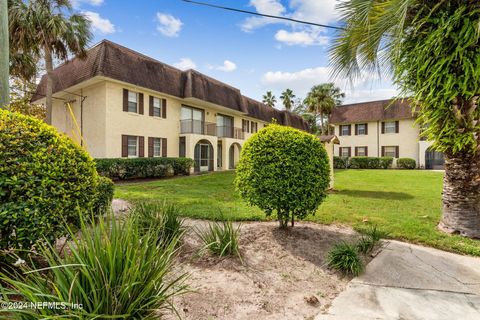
x=282, y=275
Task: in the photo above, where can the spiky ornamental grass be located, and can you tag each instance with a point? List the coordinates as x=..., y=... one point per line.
x=344, y=257
x=115, y=270
x=221, y=239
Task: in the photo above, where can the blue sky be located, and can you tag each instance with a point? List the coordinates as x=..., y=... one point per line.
x=254, y=54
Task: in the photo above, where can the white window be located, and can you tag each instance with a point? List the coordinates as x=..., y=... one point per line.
x=390, y=127
x=362, y=151
x=157, y=107
x=157, y=147
x=345, y=152
x=390, y=151
x=362, y=129
x=132, y=101
x=132, y=144
x=345, y=130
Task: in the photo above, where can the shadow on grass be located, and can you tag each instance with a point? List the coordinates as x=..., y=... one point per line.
x=309, y=243
x=387, y=195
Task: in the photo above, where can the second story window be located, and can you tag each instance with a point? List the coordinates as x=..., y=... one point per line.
x=254, y=127
x=390, y=127
x=361, y=129
x=132, y=101
x=345, y=130
x=245, y=126
x=157, y=107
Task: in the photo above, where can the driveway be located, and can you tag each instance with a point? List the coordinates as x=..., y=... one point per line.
x=407, y=281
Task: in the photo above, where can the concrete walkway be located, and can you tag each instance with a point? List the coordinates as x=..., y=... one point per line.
x=407, y=281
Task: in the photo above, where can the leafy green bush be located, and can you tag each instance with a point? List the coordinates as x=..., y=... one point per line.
x=116, y=270
x=45, y=179
x=221, y=238
x=283, y=170
x=132, y=168
x=386, y=162
x=104, y=196
x=406, y=163
x=340, y=162
x=344, y=257
x=161, y=216
x=364, y=162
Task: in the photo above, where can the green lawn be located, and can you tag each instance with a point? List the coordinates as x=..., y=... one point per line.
x=407, y=204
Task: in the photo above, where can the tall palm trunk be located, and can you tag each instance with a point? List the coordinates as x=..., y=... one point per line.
x=461, y=195
x=322, y=129
x=49, y=89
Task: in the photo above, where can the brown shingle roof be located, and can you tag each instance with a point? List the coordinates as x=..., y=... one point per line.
x=114, y=61
x=372, y=111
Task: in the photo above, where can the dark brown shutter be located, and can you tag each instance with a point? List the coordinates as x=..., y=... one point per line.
x=164, y=147
x=356, y=151
x=383, y=127
x=125, y=100
x=141, y=147
x=140, y=103
x=366, y=151
x=124, y=145
x=349, y=152
x=396, y=127
x=340, y=131
x=150, y=106
x=349, y=129
x=243, y=125
x=150, y=147
x=366, y=128
x=356, y=129
x=383, y=151
x=164, y=108
x=397, y=152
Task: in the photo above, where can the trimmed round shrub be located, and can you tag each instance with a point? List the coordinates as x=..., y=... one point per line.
x=340, y=162
x=406, y=163
x=45, y=180
x=386, y=162
x=285, y=171
x=364, y=163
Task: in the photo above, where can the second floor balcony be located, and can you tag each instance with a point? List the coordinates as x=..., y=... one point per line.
x=210, y=129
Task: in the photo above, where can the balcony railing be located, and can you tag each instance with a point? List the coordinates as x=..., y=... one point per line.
x=198, y=127
x=210, y=129
x=230, y=132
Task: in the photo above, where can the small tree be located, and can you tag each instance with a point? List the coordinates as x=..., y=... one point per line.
x=283, y=170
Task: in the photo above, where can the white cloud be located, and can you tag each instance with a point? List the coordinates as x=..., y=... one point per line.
x=304, y=37
x=168, y=25
x=227, y=66
x=271, y=7
x=369, y=88
x=99, y=24
x=185, y=64
x=77, y=3
x=314, y=11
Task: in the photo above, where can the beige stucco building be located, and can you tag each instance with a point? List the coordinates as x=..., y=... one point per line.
x=125, y=104
x=382, y=128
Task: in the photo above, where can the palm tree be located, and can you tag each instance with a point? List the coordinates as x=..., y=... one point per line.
x=287, y=99
x=321, y=100
x=48, y=29
x=431, y=50
x=269, y=99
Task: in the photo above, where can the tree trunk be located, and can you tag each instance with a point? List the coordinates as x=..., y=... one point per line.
x=322, y=129
x=49, y=89
x=461, y=195
x=4, y=55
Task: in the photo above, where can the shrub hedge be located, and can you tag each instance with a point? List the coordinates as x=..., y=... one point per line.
x=133, y=168
x=362, y=162
x=284, y=171
x=45, y=180
x=406, y=163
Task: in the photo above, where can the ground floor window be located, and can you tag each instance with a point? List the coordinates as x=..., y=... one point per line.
x=157, y=147
x=361, y=151
x=132, y=146
x=344, y=152
x=390, y=151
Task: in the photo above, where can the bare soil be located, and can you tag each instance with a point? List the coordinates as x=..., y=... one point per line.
x=282, y=275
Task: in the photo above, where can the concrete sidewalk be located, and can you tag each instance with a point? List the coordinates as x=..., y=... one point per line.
x=407, y=281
